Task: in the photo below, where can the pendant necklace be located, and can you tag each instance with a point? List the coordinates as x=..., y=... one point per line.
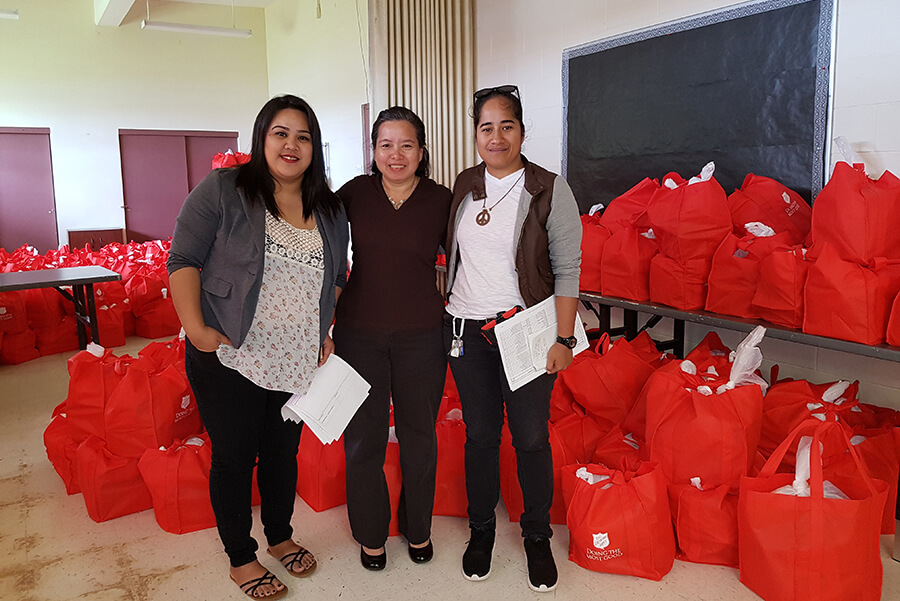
x=484, y=215
x=399, y=203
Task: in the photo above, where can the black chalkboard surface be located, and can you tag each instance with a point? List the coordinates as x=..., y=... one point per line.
x=745, y=87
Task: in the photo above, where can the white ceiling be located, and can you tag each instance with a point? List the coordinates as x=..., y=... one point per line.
x=112, y=12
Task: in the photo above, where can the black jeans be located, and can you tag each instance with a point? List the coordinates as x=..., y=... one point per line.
x=244, y=424
x=407, y=368
x=484, y=392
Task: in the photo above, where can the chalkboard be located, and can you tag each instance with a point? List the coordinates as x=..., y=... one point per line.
x=746, y=87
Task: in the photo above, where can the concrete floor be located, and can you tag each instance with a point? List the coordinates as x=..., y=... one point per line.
x=51, y=550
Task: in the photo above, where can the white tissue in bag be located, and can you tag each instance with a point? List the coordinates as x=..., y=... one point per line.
x=758, y=229
x=745, y=361
x=800, y=487
x=592, y=478
x=705, y=174
x=594, y=209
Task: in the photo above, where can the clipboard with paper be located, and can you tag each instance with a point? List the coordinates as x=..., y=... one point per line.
x=525, y=339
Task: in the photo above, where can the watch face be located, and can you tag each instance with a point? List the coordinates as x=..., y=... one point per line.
x=569, y=342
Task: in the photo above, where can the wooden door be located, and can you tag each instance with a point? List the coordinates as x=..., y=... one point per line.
x=27, y=205
x=159, y=168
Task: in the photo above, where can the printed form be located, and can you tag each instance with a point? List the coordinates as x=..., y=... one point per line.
x=525, y=339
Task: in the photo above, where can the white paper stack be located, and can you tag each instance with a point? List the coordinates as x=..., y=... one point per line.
x=333, y=398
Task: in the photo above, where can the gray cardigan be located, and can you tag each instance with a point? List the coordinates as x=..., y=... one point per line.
x=220, y=233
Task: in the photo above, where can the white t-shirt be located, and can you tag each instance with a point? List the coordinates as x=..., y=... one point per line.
x=486, y=282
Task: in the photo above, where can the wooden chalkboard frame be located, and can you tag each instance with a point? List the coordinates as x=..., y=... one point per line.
x=806, y=174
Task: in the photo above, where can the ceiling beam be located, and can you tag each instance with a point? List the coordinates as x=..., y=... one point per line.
x=111, y=12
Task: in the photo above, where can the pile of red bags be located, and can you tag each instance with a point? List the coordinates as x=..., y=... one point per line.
x=41, y=322
x=643, y=443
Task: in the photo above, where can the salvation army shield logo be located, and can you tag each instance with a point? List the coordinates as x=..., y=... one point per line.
x=601, y=540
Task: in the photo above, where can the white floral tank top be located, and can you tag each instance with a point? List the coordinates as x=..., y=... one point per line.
x=281, y=350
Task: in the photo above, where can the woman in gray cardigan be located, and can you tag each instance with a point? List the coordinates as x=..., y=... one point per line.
x=258, y=259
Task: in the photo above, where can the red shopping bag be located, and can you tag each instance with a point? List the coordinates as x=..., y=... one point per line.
x=61, y=338
x=593, y=239
x=509, y=476
x=779, y=291
x=93, y=376
x=618, y=450
x=229, y=159
x=608, y=384
x=111, y=325
x=815, y=548
x=178, y=480
x=682, y=285
x=706, y=529
x=18, y=347
x=61, y=440
x=880, y=450
x=112, y=486
x=766, y=200
x=734, y=274
x=321, y=472
x=893, y=330
x=13, y=317
x=630, y=209
x=857, y=216
x=625, y=264
x=849, y=301
x=789, y=403
x=157, y=319
x=44, y=307
x=450, y=481
x=690, y=219
x=621, y=524
x=150, y=408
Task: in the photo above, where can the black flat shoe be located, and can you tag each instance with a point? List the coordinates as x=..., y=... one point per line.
x=372, y=562
x=421, y=554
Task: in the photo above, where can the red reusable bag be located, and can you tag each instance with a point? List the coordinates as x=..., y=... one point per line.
x=93, y=376
x=18, y=347
x=734, y=275
x=779, y=291
x=893, y=329
x=150, y=408
x=112, y=486
x=593, y=239
x=321, y=472
x=61, y=440
x=13, y=317
x=61, y=338
x=811, y=548
x=630, y=208
x=679, y=285
x=178, y=480
x=858, y=216
x=450, y=481
x=111, y=326
x=706, y=529
x=766, y=200
x=157, y=319
x=618, y=450
x=625, y=265
x=849, y=301
x=394, y=477
x=880, y=450
x=621, y=524
x=44, y=307
x=229, y=159
x=690, y=219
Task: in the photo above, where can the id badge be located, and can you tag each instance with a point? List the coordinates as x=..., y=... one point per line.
x=456, y=348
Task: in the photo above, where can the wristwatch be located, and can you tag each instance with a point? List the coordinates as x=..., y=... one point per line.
x=569, y=342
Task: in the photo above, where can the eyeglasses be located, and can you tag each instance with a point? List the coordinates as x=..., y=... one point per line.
x=508, y=89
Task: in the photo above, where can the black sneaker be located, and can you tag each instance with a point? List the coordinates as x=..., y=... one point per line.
x=477, y=558
x=542, y=576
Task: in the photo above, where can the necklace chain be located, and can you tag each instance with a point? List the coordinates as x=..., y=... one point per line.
x=399, y=203
x=484, y=215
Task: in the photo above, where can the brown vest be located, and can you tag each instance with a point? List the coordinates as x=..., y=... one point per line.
x=533, y=253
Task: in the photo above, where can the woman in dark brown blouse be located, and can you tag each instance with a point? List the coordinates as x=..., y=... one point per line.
x=388, y=328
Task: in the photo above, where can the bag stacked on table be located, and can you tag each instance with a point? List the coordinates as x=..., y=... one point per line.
x=689, y=219
x=625, y=263
x=855, y=279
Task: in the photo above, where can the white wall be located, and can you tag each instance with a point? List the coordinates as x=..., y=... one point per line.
x=521, y=42
x=323, y=60
x=85, y=82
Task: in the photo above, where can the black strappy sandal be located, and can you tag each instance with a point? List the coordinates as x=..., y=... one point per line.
x=250, y=587
x=296, y=557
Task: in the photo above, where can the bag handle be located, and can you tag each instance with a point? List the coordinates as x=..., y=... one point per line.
x=604, y=344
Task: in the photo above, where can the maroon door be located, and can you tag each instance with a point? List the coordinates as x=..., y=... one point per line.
x=159, y=168
x=27, y=206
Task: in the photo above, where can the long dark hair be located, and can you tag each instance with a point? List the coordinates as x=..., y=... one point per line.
x=254, y=177
x=509, y=93
x=401, y=113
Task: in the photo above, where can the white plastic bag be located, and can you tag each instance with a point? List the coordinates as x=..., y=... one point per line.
x=800, y=487
x=745, y=361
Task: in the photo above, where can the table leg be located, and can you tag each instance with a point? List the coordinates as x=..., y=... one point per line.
x=80, y=316
x=92, y=313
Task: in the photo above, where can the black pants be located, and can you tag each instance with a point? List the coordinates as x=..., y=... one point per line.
x=407, y=368
x=245, y=425
x=484, y=392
